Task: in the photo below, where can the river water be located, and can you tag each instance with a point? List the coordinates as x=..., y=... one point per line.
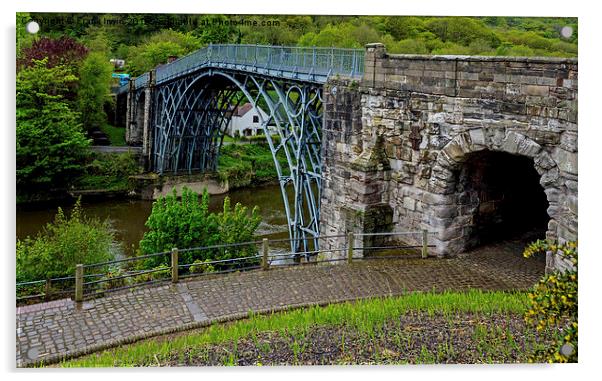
x=127, y=217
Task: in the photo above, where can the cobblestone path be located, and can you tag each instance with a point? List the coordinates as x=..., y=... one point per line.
x=48, y=331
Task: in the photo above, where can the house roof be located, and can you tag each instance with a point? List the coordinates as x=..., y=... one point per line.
x=242, y=110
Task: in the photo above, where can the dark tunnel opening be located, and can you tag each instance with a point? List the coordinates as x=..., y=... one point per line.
x=504, y=196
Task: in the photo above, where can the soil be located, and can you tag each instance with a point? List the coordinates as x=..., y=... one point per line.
x=413, y=338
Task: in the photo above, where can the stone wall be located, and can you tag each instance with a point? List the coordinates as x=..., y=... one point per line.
x=396, y=142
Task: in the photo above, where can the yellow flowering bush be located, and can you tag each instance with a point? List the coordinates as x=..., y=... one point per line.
x=553, y=303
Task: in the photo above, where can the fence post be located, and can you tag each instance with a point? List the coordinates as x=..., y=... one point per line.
x=79, y=283
x=350, y=243
x=265, y=265
x=174, y=265
x=47, y=290
x=424, y=244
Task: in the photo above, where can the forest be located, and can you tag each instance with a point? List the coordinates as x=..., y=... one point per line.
x=146, y=40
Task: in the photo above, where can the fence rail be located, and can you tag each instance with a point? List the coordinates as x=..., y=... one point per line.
x=253, y=255
x=305, y=63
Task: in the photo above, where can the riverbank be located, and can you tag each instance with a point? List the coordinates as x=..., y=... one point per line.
x=128, y=215
x=118, y=175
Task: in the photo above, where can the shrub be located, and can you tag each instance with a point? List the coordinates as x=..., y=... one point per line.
x=202, y=267
x=187, y=223
x=112, y=279
x=553, y=303
x=62, y=244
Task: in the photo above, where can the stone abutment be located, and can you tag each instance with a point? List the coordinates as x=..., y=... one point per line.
x=462, y=146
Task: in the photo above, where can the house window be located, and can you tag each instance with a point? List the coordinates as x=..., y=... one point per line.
x=255, y=118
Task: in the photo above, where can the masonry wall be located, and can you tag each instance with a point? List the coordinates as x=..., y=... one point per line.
x=395, y=142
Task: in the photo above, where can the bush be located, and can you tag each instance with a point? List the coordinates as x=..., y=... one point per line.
x=62, y=244
x=187, y=223
x=202, y=267
x=553, y=303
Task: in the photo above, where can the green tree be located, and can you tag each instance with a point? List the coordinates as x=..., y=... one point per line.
x=340, y=35
x=462, y=30
x=214, y=29
x=24, y=39
x=404, y=27
x=67, y=241
x=187, y=223
x=93, y=90
x=51, y=146
x=159, y=48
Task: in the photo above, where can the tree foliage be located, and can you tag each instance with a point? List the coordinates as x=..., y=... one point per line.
x=24, y=39
x=187, y=223
x=553, y=303
x=64, y=51
x=139, y=38
x=50, y=144
x=93, y=90
x=159, y=48
x=67, y=241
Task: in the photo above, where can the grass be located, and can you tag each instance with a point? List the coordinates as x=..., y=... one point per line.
x=108, y=171
x=116, y=134
x=246, y=164
x=363, y=318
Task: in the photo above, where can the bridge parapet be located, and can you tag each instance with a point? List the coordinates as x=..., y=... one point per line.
x=509, y=79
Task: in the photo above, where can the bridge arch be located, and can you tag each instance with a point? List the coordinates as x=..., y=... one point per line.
x=292, y=127
x=492, y=186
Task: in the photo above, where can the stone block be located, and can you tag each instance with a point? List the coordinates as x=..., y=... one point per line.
x=511, y=142
x=572, y=204
x=477, y=136
x=566, y=161
x=437, y=199
x=568, y=141
x=544, y=161
x=409, y=203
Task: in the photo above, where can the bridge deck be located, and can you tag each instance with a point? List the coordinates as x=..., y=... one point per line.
x=48, y=331
x=310, y=64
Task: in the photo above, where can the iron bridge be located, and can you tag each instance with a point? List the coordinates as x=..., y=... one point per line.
x=183, y=108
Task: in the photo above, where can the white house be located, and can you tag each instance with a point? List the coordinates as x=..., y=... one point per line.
x=246, y=121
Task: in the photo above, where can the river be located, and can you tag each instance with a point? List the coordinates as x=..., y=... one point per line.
x=127, y=217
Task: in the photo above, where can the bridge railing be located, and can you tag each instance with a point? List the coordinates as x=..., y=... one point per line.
x=324, y=61
x=99, y=279
x=142, y=80
x=294, y=60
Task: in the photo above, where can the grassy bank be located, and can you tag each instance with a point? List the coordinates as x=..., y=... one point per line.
x=417, y=328
x=116, y=134
x=108, y=172
x=248, y=164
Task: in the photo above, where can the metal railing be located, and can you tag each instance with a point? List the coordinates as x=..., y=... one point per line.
x=304, y=63
x=237, y=257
